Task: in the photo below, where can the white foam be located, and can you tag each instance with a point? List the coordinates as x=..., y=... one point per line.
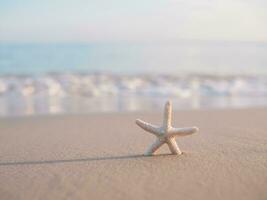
x=61, y=93
x=92, y=85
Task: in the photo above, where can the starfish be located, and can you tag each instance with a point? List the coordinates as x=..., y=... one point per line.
x=165, y=133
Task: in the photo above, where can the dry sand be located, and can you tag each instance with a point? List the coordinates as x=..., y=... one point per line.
x=99, y=157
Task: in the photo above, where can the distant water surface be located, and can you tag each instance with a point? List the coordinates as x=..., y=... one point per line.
x=84, y=78
x=178, y=58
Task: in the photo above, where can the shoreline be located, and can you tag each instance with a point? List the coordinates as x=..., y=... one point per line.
x=134, y=112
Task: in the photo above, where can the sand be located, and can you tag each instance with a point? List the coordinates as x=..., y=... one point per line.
x=99, y=156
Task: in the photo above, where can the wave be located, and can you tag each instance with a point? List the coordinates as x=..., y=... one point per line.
x=104, y=85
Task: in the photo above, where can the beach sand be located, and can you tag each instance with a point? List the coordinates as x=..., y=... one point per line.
x=99, y=156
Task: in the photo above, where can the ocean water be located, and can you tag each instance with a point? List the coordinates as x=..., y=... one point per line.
x=84, y=78
x=214, y=58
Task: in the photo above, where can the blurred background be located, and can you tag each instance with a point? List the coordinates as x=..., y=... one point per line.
x=87, y=56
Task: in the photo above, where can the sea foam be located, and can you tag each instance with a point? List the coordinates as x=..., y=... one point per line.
x=95, y=85
x=77, y=92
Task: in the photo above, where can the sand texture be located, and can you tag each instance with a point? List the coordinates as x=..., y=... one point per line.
x=99, y=156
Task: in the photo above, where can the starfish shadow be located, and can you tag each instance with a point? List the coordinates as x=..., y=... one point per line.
x=45, y=162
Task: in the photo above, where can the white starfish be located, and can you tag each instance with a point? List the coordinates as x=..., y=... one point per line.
x=165, y=133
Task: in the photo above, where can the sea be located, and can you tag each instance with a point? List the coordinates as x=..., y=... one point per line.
x=75, y=78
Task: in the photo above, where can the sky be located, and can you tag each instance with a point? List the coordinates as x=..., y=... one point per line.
x=132, y=20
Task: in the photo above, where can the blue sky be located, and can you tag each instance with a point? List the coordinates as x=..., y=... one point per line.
x=132, y=21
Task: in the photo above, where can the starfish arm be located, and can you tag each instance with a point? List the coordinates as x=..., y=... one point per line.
x=182, y=131
x=154, y=147
x=167, y=115
x=173, y=146
x=148, y=127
